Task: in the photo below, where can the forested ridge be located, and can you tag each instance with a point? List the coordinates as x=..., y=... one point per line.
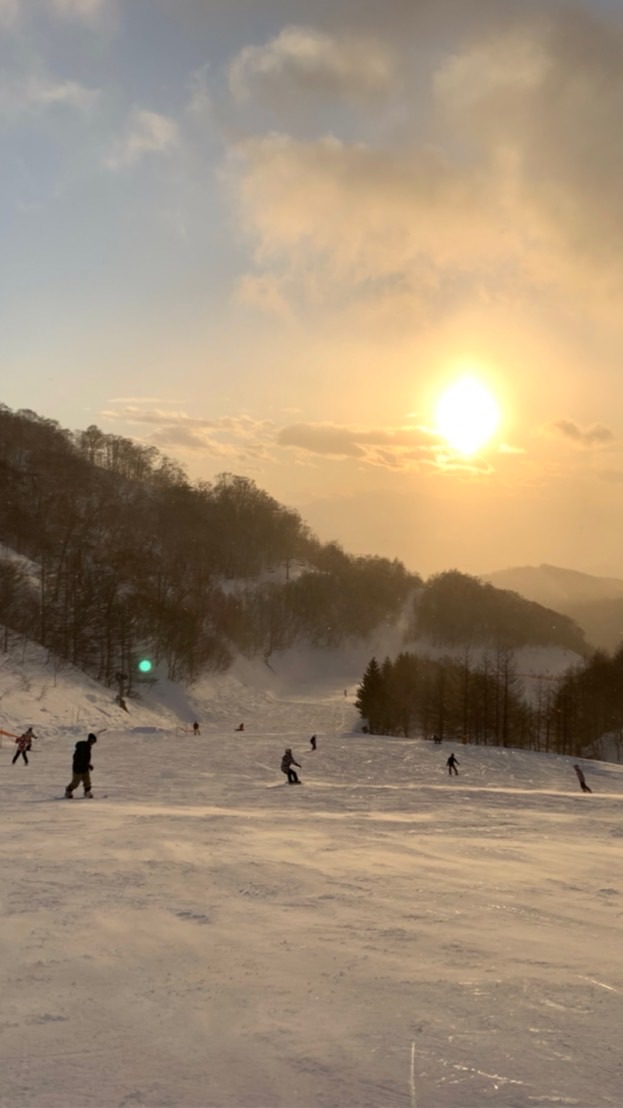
x=123, y=556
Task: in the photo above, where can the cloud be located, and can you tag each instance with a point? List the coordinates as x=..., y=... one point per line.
x=321, y=439
x=361, y=212
x=595, y=435
x=235, y=438
x=263, y=292
x=304, y=62
x=145, y=133
x=498, y=179
x=396, y=448
x=36, y=93
x=87, y=10
x=9, y=11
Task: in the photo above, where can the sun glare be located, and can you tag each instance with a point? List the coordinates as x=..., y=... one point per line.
x=467, y=415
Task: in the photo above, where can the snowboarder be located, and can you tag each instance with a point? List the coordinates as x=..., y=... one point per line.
x=24, y=744
x=312, y=742
x=452, y=763
x=196, y=730
x=81, y=767
x=286, y=767
x=581, y=778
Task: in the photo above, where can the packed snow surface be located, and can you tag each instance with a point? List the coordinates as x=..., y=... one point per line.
x=202, y=935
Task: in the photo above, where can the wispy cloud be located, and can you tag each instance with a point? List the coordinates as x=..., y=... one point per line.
x=302, y=61
x=410, y=448
x=37, y=92
x=87, y=10
x=145, y=133
x=595, y=435
x=238, y=438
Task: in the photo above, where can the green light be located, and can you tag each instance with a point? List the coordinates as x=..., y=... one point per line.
x=145, y=665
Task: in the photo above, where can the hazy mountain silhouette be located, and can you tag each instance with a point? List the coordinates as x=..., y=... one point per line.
x=595, y=603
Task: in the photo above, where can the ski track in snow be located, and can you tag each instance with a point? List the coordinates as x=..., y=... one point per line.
x=383, y=937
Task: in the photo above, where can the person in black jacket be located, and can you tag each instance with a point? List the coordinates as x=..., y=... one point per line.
x=452, y=763
x=581, y=778
x=286, y=767
x=81, y=767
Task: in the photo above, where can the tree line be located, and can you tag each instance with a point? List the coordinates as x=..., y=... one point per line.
x=123, y=556
x=483, y=701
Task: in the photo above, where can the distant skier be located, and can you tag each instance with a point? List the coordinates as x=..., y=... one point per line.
x=581, y=778
x=452, y=763
x=437, y=740
x=312, y=742
x=286, y=767
x=240, y=727
x=196, y=730
x=81, y=767
x=24, y=744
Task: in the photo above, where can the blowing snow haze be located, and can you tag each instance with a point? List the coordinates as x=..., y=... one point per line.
x=274, y=239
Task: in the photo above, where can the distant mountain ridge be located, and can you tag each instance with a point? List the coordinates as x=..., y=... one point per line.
x=553, y=585
x=595, y=603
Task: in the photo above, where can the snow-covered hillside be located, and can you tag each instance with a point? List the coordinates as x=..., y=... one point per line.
x=202, y=935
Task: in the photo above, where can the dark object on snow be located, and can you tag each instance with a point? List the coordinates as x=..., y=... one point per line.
x=437, y=740
x=81, y=766
x=312, y=742
x=240, y=727
x=452, y=763
x=196, y=730
x=286, y=767
x=581, y=778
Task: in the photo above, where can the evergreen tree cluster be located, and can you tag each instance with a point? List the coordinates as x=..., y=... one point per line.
x=484, y=702
x=453, y=699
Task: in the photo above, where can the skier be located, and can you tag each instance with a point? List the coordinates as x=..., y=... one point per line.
x=286, y=767
x=584, y=787
x=312, y=742
x=452, y=763
x=437, y=740
x=196, y=730
x=24, y=744
x=81, y=767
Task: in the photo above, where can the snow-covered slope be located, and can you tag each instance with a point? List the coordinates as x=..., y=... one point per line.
x=202, y=935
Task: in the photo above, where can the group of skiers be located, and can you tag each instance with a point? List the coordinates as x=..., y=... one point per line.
x=82, y=764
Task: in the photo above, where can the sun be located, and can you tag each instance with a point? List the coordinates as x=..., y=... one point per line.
x=467, y=415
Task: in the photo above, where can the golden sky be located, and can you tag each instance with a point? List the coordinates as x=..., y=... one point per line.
x=267, y=236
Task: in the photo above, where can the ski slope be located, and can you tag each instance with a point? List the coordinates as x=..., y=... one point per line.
x=202, y=935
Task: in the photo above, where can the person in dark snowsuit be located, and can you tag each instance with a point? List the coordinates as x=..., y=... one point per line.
x=286, y=767
x=581, y=778
x=452, y=763
x=24, y=744
x=312, y=742
x=196, y=730
x=81, y=767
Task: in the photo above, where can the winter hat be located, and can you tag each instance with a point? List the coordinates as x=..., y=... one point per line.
x=92, y=738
